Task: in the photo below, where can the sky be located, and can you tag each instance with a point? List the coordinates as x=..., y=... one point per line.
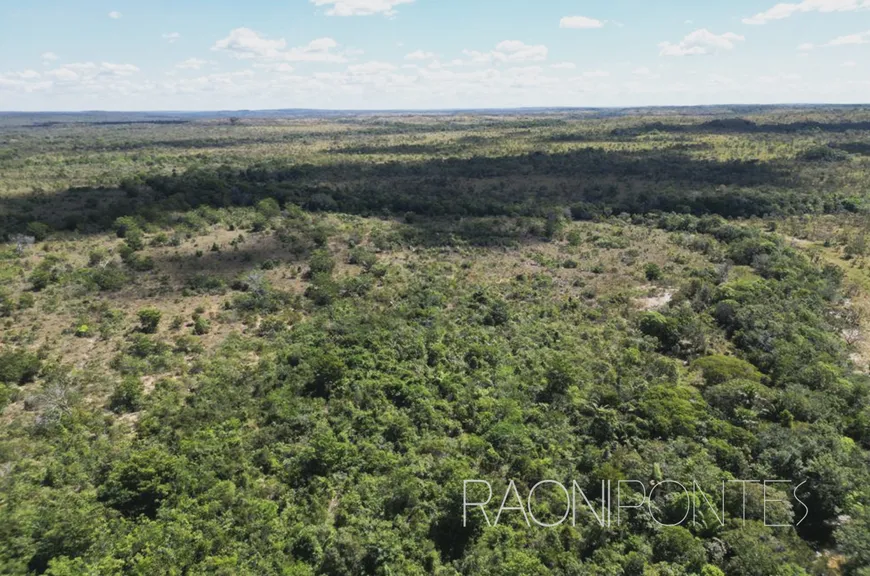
x=57, y=55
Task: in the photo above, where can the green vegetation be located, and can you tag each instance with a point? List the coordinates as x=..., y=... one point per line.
x=281, y=346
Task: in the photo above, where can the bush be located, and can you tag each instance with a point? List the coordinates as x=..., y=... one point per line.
x=19, y=366
x=127, y=396
x=25, y=301
x=664, y=329
x=38, y=230
x=719, y=369
x=138, y=484
x=269, y=208
x=109, y=278
x=46, y=273
x=6, y=305
x=187, y=344
x=124, y=224
x=677, y=545
x=141, y=346
x=201, y=326
x=653, y=272
x=366, y=259
x=149, y=318
x=321, y=263
x=134, y=239
x=206, y=284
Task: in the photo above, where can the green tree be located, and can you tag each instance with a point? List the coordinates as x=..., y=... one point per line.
x=149, y=318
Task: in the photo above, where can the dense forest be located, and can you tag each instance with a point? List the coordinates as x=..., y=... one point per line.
x=281, y=343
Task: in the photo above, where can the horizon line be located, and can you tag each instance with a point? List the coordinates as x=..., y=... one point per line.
x=437, y=110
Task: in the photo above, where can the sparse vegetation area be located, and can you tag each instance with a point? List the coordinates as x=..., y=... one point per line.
x=279, y=346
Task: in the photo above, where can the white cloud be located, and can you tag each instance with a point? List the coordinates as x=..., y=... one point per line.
x=420, y=55
x=580, y=22
x=171, y=37
x=272, y=83
x=806, y=47
x=851, y=39
x=63, y=74
x=596, y=74
x=90, y=74
x=191, y=64
x=645, y=72
x=786, y=10
x=700, y=42
x=282, y=67
x=564, y=66
x=848, y=64
x=516, y=51
x=119, y=69
x=114, y=15
x=508, y=51
x=244, y=43
x=49, y=57
x=360, y=7
x=233, y=83
x=371, y=68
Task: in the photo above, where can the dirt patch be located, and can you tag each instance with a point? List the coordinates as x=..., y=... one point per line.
x=655, y=302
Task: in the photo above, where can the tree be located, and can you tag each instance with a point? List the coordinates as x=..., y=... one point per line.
x=321, y=262
x=18, y=366
x=149, y=318
x=127, y=396
x=718, y=369
x=653, y=272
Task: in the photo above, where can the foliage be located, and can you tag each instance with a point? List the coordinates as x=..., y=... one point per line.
x=18, y=366
x=423, y=311
x=149, y=319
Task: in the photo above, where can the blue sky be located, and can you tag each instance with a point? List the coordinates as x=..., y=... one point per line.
x=379, y=54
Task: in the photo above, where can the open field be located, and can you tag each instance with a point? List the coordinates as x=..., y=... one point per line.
x=278, y=344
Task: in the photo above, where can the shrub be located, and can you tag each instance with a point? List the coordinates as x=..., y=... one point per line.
x=201, y=326
x=127, y=396
x=38, y=230
x=664, y=329
x=139, y=483
x=140, y=263
x=498, y=314
x=46, y=273
x=141, y=346
x=269, y=207
x=134, y=239
x=321, y=262
x=97, y=257
x=327, y=372
x=109, y=278
x=323, y=290
x=718, y=369
x=6, y=305
x=124, y=224
x=18, y=366
x=366, y=259
x=187, y=344
x=25, y=301
x=677, y=545
x=149, y=318
x=206, y=284
x=653, y=272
